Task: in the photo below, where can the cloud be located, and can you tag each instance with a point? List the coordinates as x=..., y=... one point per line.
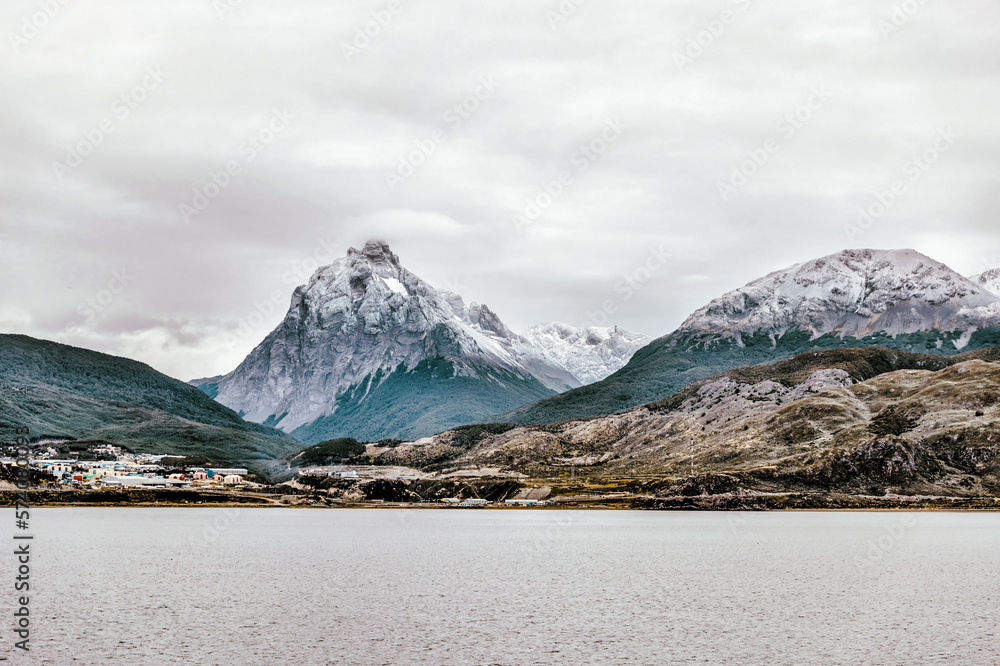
x=321, y=181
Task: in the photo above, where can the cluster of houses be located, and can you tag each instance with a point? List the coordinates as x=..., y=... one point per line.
x=136, y=473
x=482, y=504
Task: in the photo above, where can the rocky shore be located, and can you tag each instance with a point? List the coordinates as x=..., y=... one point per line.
x=385, y=494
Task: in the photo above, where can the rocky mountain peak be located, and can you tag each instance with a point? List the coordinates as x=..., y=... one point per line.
x=852, y=293
x=378, y=251
x=366, y=326
x=487, y=320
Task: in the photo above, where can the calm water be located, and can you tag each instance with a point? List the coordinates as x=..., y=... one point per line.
x=273, y=586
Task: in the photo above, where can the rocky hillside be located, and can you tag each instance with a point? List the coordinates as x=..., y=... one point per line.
x=857, y=421
x=896, y=299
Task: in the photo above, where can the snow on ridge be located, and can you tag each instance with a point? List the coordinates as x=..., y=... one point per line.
x=853, y=293
x=988, y=280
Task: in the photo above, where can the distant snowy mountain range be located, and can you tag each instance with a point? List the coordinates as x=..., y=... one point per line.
x=590, y=354
x=369, y=350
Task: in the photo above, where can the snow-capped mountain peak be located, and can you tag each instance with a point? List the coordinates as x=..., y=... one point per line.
x=365, y=319
x=853, y=293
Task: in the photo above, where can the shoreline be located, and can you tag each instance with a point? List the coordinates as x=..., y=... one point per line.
x=723, y=502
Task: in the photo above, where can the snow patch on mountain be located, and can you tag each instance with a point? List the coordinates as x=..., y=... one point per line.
x=395, y=285
x=854, y=293
x=591, y=353
x=988, y=280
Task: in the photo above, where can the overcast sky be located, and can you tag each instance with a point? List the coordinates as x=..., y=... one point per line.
x=115, y=115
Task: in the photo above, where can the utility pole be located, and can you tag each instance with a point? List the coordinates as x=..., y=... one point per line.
x=692, y=456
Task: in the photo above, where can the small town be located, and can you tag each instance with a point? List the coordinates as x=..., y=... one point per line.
x=62, y=465
x=116, y=467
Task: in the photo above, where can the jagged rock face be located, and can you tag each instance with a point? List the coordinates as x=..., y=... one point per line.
x=988, y=280
x=590, y=353
x=726, y=399
x=364, y=325
x=854, y=293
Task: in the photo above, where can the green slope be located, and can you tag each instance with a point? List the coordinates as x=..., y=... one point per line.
x=63, y=392
x=669, y=363
x=419, y=403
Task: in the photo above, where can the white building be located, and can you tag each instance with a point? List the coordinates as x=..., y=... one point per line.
x=142, y=482
x=346, y=474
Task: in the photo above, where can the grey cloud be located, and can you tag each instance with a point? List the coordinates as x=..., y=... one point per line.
x=324, y=176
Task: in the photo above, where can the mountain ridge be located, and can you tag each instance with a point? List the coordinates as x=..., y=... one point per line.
x=853, y=294
x=896, y=299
